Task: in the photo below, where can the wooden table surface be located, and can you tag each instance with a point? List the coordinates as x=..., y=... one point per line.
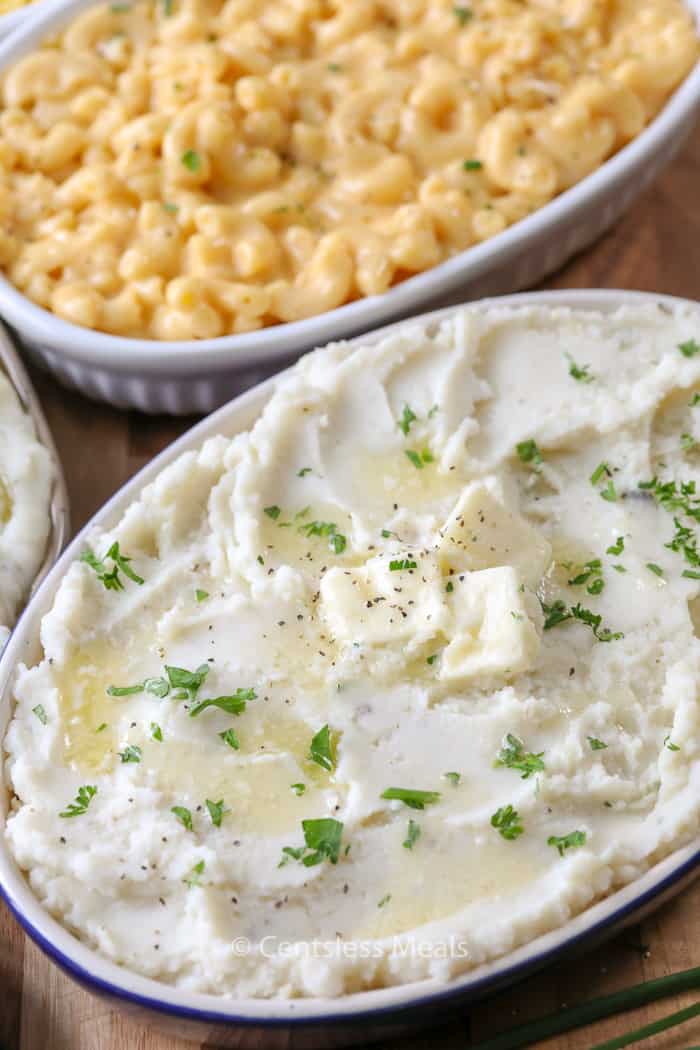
x=657, y=248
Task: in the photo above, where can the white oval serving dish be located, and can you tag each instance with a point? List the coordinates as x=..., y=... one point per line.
x=11, y=365
x=197, y=376
x=304, y=1022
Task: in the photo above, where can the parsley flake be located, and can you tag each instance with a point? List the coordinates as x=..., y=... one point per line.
x=507, y=822
x=410, y=797
x=191, y=160
x=40, y=714
x=298, y=789
x=571, y=841
x=184, y=816
x=656, y=569
x=201, y=596
x=111, y=578
x=229, y=737
x=156, y=732
x=528, y=452
x=322, y=750
x=454, y=778
x=303, y=472
x=85, y=795
x=385, y=900
x=472, y=165
x=579, y=372
x=131, y=753
x=408, y=416
x=232, y=705
x=617, y=547
x=514, y=756
x=412, y=835
x=272, y=512
x=669, y=745
x=216, y=811
x=193, y=879
x=402, y=563
x=322, y=839
x=462, y=14
x=595, y=744
x=689, y=348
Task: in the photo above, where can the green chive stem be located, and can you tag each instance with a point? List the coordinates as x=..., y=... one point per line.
x=594, y=1010
x=679, y=1017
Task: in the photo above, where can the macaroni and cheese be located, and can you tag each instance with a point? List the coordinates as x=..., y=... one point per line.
x=190, y=168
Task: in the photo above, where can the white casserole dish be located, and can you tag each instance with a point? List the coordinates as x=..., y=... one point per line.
x=316, y=1022
x=11, y=365
x=197, y=376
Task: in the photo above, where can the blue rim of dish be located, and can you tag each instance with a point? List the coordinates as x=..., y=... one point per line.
x=476, y=990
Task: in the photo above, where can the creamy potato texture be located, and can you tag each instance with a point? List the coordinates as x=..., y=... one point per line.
x=25, y=482
x=187, y=169
x=398, y=680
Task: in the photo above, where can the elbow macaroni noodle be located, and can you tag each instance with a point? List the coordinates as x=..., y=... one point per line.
x=184, y=169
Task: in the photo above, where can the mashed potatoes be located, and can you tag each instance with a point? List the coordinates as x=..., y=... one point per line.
x=393, y=683
x=25, y=480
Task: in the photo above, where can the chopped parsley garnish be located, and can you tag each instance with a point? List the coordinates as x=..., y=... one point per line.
x=156, y=732
x=303, y=472
x=695, y=400
x=131, y=753
x=412, y=835
x=119, y=9
x=592, y=571
x=656, y=569
x=472, y=165
x=454, y=778
x=333, y=67
x=507, y=822
x=402, y=563
x=450, y=587
x=687, y=442
x=601, y=472
x=216, y=811
x=229, y=737
x=101, y=728
x=619, y=568
x=322, y=840
x=669, y=745
x=617, y=547
x=419, y=459
x=579, y=372
x=172, y=209
x=571, y=841
x=187, y=682
x=201, y=596
x=411, y=798
x=40, y=714
x=514, y=756
x=184, y=816
x=528, y=452
x=232, y=705
x=408, y=416
x=336, y=541
x=689, y=348
x=431, y=659
x=557, y=613
x=385, y=900
x=595, y=744
x=124, y=690
x=193, y=879
x=462, y=14
x=322, y=750
x=298, y=789
x=191, y=160
x=85, y=795
x=273, y=512
x=168, y=7
x=111, y=578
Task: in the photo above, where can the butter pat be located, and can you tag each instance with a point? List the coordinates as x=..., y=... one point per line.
x=483, y=532
x=374, y=605
x=491, y=632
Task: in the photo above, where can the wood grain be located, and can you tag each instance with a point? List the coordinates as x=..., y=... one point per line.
x=656, y=248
